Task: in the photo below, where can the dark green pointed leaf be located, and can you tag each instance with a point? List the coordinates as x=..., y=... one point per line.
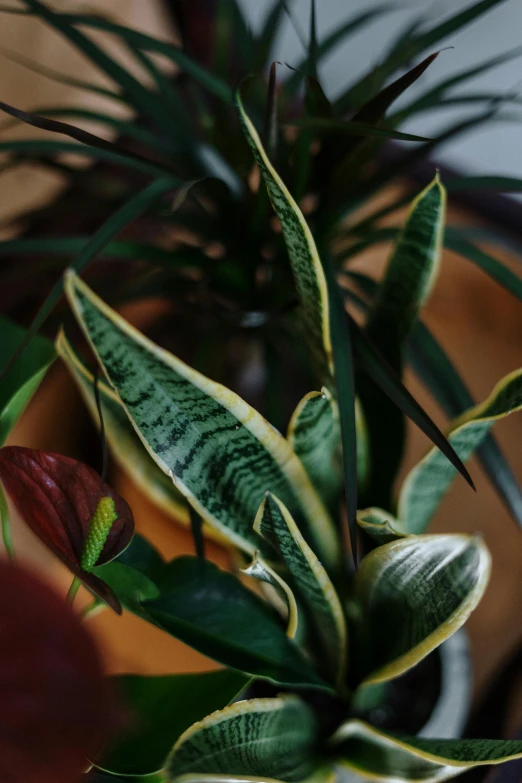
x=306, y=264
x=213, y=612
x=485, y=261
x=219, y=452
x=19, y=384
x=160, y=709
x=312, y=584
x=314, y=434
x=324, y=125
x=427, y=482
x=260, y=737
x=371, y=752
x=413, y=594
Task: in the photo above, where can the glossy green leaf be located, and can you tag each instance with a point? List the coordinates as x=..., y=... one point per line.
x=315, y=436
x=306, y=264
x=412, y=595
x=485, y=261
x=381, y=756
x=160, y=709
x=427, y=482
x=20, y=383
x=261, y=737
x=220, y=453
x=213, y=612
x=312, y=584
x=125, y=445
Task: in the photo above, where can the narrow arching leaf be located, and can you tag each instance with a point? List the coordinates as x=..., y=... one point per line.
x=125, y=445
x=156, y=718
x=260, y=737
x=275, y=525
x=325, y=125
x=116, y=223
x=59, y=499
x=220, y=453
x=306, y=264
x=384, y=376
x=374, y=753
x=485, y=261
x=413, y=593
x=315, y=436
x=212, y=611
x=259, y=569
x=19, y=385
x=427, y=482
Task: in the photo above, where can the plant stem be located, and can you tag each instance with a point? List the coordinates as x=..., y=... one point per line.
x=7, y=536
x=71, y=595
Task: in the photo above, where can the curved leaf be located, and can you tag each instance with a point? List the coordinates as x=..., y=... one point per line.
x=485, y=261
x=351, y=128
x=212, y=611
x=382, y=756
x=272, y=737
x=315, y=436
x=427, y=482
x=304, y=258
x=125, y=445
x=413, y=594
x=259, y=569
x=380, y=525
x=275, y=525
x=160, y=709
x=18, y=385
x=220, y=453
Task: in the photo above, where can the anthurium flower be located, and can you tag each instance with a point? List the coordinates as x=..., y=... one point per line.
x=68, y=506
x=56, y=709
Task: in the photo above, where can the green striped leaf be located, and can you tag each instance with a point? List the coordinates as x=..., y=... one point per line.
x=275, y=524
x=259, y=569
x=427, y=482
x=260, y=737
x=219, y=452
x=315, y=436
x=213, y=612
x=143, y=746
x=381, y=756
x=20, y=383
x=304, y=258
x=125, y=445
x=413, y=594
x=380, y=525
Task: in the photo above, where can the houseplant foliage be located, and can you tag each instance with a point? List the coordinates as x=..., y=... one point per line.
x=342, y=593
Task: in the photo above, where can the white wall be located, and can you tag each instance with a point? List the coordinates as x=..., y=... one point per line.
x=495, y=149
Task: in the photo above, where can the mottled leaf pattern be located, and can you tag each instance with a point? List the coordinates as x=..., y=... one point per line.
x=306, y=264
x=220, y=453
x=427, y=482
x=381, y=756
x=315, y=436
x=312, y=583
x=412, y=594
x=260, y=737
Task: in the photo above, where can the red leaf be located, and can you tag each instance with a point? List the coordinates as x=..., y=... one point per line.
x=56, y=709
x=57, y=497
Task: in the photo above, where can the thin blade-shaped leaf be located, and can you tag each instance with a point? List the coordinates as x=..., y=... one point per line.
x=125, y=445
x=427, y=482
x=260, y=737
x=442, y=579
x=275, y=525
x=314, y=434
x=495, y=269
x=19, y=385
x=220, y=453
x=385, y=377
x=306, y=264
x=212, y=611
x=351, y=127
x=374, y=753
x=156, y=723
